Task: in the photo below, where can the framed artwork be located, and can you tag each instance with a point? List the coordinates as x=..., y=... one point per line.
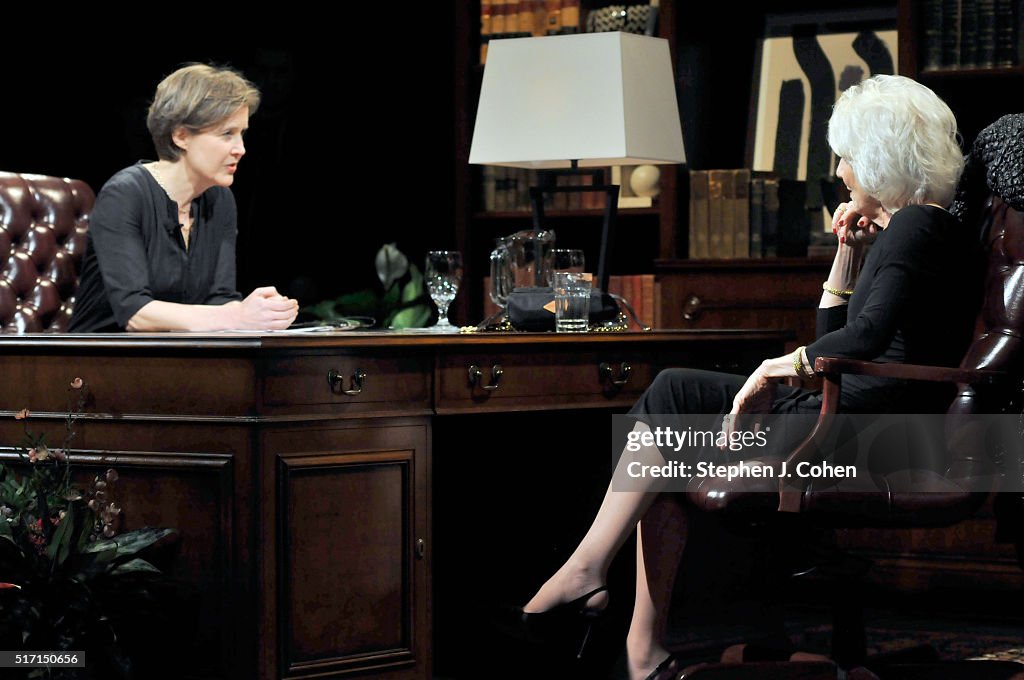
x=805, y=62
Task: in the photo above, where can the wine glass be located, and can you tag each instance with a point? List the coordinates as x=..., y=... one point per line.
x=443, y=275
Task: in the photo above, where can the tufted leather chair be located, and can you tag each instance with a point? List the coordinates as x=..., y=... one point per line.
x=43, y=225
x=988, y=381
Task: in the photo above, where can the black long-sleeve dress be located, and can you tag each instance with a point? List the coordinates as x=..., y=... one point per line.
x=915, y=301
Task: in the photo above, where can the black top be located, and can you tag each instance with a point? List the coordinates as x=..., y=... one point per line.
x=136, y=253
x=915, y=302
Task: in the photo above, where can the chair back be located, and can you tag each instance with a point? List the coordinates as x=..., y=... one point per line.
x=43, y=226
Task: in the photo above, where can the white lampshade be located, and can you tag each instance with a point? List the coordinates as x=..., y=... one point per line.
x=596, y=98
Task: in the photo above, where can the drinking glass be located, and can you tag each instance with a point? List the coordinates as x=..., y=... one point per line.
x=443, y=274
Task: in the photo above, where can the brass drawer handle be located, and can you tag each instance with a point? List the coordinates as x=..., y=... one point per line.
x=337, y=382
x=421, y=548
x=607, y=373
x=691, y=308
x=475, y=376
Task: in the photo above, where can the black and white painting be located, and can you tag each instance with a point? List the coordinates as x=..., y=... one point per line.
x=801, y=76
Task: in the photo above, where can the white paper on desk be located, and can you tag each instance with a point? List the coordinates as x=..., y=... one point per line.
x=309, y=327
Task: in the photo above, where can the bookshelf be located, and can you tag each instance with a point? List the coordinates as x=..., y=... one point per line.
x=978, y=93
x=642, y=234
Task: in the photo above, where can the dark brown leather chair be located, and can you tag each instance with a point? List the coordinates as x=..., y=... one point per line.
x=988, y=381
x=43, y=225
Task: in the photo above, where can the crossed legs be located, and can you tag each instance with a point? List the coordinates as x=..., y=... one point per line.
x=660, y=521
x=653, y=515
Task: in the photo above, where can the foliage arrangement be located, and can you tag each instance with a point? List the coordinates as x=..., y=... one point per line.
x=400, y=302
x=68, y=580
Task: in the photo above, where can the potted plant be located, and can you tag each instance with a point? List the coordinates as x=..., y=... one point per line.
x=69, y=580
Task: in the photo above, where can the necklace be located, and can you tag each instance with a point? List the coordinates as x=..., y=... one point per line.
x=184, y=212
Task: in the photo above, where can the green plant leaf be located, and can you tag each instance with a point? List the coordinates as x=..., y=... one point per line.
x=410, y=317
x=359, y=303
x=391, y=264
x=135, y=566
x=130, y=542
x=60, y=543
x=391, y=298
x=414, y=288
x=85, y=566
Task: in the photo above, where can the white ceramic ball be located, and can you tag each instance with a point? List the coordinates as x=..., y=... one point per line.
x=644, y=180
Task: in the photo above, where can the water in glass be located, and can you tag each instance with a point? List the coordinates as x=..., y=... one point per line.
x=443, y=274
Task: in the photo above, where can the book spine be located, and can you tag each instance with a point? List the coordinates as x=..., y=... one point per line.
x=985, y=53
x=647, y=298
x=498, y=19
x=1019, y=28
x=489, y=306
x=553, y=22
x=525, y=28
x=485, y=28
x=501, y=189
x=950, y=34
x=770, y=231
x=658, y=318
x=540, y=18
x=615, y=285
x=741, y=213
x=699, y=215
x=968, y=33
x=511, y=18
x=570, y=16
x=932, y=27
x=721, y=195
x=716, y=213
x=756, y=217
x=1006, y=33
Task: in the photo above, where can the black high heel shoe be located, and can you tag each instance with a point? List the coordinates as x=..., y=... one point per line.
x=668, y=668
x=560, y=619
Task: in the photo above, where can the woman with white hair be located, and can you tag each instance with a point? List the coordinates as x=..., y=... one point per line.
x=912, y=299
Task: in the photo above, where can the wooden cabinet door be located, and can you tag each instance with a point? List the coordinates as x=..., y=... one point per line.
x=345, y=507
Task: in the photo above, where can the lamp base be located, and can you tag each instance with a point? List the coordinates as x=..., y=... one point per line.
x=611, y=196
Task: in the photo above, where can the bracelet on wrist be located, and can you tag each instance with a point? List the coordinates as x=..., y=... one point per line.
x=798, y=363
x=845, y=294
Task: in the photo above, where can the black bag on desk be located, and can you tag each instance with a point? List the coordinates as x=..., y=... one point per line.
x=533, y=309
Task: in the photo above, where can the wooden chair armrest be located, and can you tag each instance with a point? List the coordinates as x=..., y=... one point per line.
x=791, y=490
x=835, y=366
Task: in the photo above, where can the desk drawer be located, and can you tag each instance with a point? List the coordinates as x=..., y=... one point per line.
x=382, y=382
x=131, y=385
x=541, y=380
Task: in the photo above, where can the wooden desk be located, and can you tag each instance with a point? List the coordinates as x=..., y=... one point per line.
x=303, y=494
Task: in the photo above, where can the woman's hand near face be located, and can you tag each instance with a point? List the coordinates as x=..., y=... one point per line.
x=851, y=227
x=266, y=309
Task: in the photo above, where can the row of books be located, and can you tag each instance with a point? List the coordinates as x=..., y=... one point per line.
x=738, y=214
x=733, y=215
x=961, y=34
x=526, y=18
x=508, y=189
x=641, y=291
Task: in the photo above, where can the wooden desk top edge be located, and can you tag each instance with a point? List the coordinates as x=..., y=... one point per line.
x=363, y=339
